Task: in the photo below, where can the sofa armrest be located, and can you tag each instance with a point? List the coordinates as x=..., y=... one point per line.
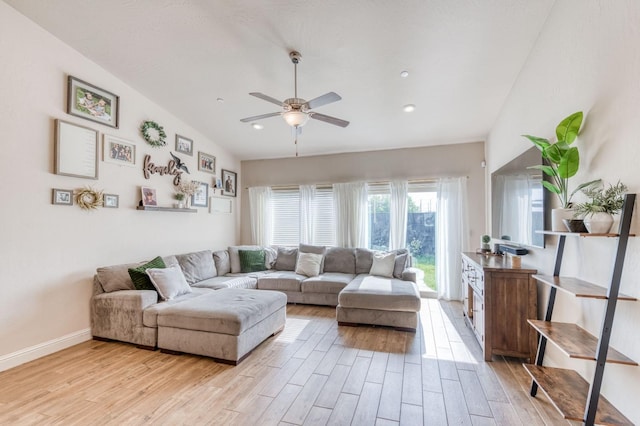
x=410, y=274
x=130, y=300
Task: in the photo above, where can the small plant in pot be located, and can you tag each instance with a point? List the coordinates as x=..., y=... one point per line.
x=485, y=247
x=179, y=196
x=602, y=204
x=561, y=162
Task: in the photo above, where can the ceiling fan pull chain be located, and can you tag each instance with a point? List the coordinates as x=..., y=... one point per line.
x=296, y=145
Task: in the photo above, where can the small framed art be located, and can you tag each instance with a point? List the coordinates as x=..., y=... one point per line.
x=201, y=197
x=118, y=151
x=63, y=197
x=229, y=183
x=111, y=201
x=221, y=205
x=92, y=103
x=184, y=145
x=206, y=162
x=149, y=196
x=76, y=151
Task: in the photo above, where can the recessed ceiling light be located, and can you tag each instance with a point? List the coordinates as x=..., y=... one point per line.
x=221, y=100
x=409, y=108
x=257, y=126
x=404, y=74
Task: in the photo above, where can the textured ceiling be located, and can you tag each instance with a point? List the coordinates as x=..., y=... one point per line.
x=463, y=57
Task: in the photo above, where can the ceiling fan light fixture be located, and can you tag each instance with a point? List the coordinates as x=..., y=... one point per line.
x=295, y=118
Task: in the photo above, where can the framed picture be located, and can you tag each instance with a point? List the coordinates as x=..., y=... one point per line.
x=221, y=205
x=118, y=151
x=206, y=162
x=201, y=197
x=111, y=201
x=184, y=145
x=76, y=151
x=229, y=183
x=92, y=103
x=149, y=196
x=218, y=183
x=63, y=197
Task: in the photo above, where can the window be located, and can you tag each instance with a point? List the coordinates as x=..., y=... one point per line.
x=285, y=204
x=421, y=230
x=379, y=201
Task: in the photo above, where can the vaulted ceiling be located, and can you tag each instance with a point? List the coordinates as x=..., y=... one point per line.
x=462, y=57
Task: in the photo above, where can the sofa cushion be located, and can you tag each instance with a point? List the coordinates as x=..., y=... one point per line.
x=150, y=314
x=222, y=262
x=339, y=259
x=378, y=293
x=402, y=260
x=329, y=282
x=169, y=282
x=197, y=266
x=114, y=278
x=251, y=260
x=308, y=264
x=364, y=260
x=286, y=260
x=217, y=283
x=234, y=256
x=383, y=264
x=281, y=280
x=139, y=276
x=227, y=311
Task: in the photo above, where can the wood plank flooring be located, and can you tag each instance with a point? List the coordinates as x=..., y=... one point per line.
x=313, y=373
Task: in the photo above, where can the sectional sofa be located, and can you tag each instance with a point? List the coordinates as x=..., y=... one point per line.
x=225, y=313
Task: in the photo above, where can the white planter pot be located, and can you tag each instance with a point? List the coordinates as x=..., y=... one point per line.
x=556, y=219
x=598, y=223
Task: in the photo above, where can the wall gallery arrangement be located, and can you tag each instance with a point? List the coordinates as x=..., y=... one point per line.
x=77, y=152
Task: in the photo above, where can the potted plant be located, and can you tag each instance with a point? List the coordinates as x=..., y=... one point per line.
x=603, y=203
x=485, y=247
x=561, y=163
x=179, y=196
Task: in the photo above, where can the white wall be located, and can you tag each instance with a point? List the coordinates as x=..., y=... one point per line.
x=586, y=58
x=372, y=166
x=48, y=254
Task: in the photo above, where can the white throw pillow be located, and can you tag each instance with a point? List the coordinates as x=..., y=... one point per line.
x=170, y=282
x=383, y=264
x=308, y=264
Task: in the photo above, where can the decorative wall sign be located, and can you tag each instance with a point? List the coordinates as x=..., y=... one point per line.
x=118, y=151
x=153, y=133
x=88, y=198
x=92, y=103
x=229, y=183
x=63, y=197
x=206, y=162
x=76, y=151
x=179, y=164
x=149, y=168
x=184, y=145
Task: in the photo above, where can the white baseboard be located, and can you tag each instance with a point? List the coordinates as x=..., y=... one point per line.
x=38, y=351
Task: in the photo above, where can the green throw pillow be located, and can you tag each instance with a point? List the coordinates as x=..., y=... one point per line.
x=251, y=260
x=139, y=275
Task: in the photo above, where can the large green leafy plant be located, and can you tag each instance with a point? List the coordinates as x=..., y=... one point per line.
x=561, y=160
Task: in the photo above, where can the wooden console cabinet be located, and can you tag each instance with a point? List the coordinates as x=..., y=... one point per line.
x=498, y=301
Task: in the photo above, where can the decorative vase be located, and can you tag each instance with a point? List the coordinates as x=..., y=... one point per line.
x=598, y=223
x=557, y=215
x=187, y=202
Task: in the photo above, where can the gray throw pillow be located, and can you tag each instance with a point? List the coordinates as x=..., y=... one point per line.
x=402, y=259
x=197, y=266
x=114, y=278
x=287, y=257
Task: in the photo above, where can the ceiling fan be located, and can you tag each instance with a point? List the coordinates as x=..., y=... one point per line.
x=296, y=111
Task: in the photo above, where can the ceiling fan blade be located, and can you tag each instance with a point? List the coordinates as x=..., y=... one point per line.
x=329, y=119
x=260, y=117
x=327, y=98
x=267, y=98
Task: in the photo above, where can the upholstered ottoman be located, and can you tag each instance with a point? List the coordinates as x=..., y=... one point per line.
x=374, y=300
x=225, y=324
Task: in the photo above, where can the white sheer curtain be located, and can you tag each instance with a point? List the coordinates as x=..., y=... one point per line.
x=451, y=236
x=260, y=214
x=398, y=215
x=350, y=204
x=307, y=213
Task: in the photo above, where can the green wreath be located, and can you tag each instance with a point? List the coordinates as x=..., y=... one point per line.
x=159, y=140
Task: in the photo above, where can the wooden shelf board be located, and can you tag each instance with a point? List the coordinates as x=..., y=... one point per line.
x=576, y=342
x=578, y=287
x=165, y=209
x=581, y=234
x=568, y=391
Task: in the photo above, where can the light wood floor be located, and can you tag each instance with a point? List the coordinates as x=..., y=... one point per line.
x=314, y=372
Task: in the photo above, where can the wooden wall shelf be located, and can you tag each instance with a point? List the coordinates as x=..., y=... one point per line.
x=165, y=209
x=580, y=234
